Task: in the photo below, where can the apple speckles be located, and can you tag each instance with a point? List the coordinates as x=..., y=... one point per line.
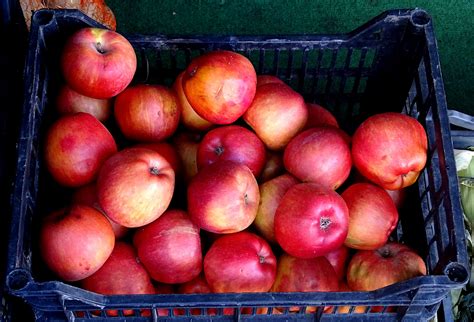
x=67, y=143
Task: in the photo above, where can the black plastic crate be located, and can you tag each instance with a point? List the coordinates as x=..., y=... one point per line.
x=389, y=64
x=462, y=134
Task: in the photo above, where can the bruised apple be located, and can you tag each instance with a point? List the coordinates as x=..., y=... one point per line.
x=135, y=186
x=223, y=197
x=390, y=149
x=90, y=241
x=234, y=143
x=170, y=248
x=239, y=263
x=311, y=220
x=76, y=146
x=220, y=85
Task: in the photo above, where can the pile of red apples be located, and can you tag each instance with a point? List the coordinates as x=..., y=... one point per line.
x=225, y=182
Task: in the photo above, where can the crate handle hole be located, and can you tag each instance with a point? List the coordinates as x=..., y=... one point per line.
x=43, y=16
x=457, y=272
x=420, y=18
x=18, y=279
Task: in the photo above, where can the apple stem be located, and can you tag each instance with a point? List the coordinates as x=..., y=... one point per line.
x=246, y=199
x=99, y=48
x=261, y=259
x=154, y=170
x=219, y=150
x=385, y=253
x=325, y=223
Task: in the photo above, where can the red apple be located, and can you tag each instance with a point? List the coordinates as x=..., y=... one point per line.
x=135, y=186
x=162, y=288
x=273, y=166
x=223, y=197
x=196, y=285
x=276, y=114
x=398, y=197
x=369, y=270
x=271, y=193
x=320, y=155
x=267, y=79
x=76, y=241
x=234, y=143
x=170, y=248
x=390, y=149
x=186, y=144
x=339, y=259
x=347, y=308
x=87, y=195
x=311, y=221
x=76, y=146
x=189, y=117
x=319, y=116
x=220, y=85
x=305, y=275
x=69, y=102
x=168, y=152
x=122, y=273
x=372, y=216
x=199, y=286
x=147, y=113
x=239, y=263
x=98, y=63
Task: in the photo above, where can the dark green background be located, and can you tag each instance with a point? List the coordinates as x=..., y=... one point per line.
x=453, y=22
